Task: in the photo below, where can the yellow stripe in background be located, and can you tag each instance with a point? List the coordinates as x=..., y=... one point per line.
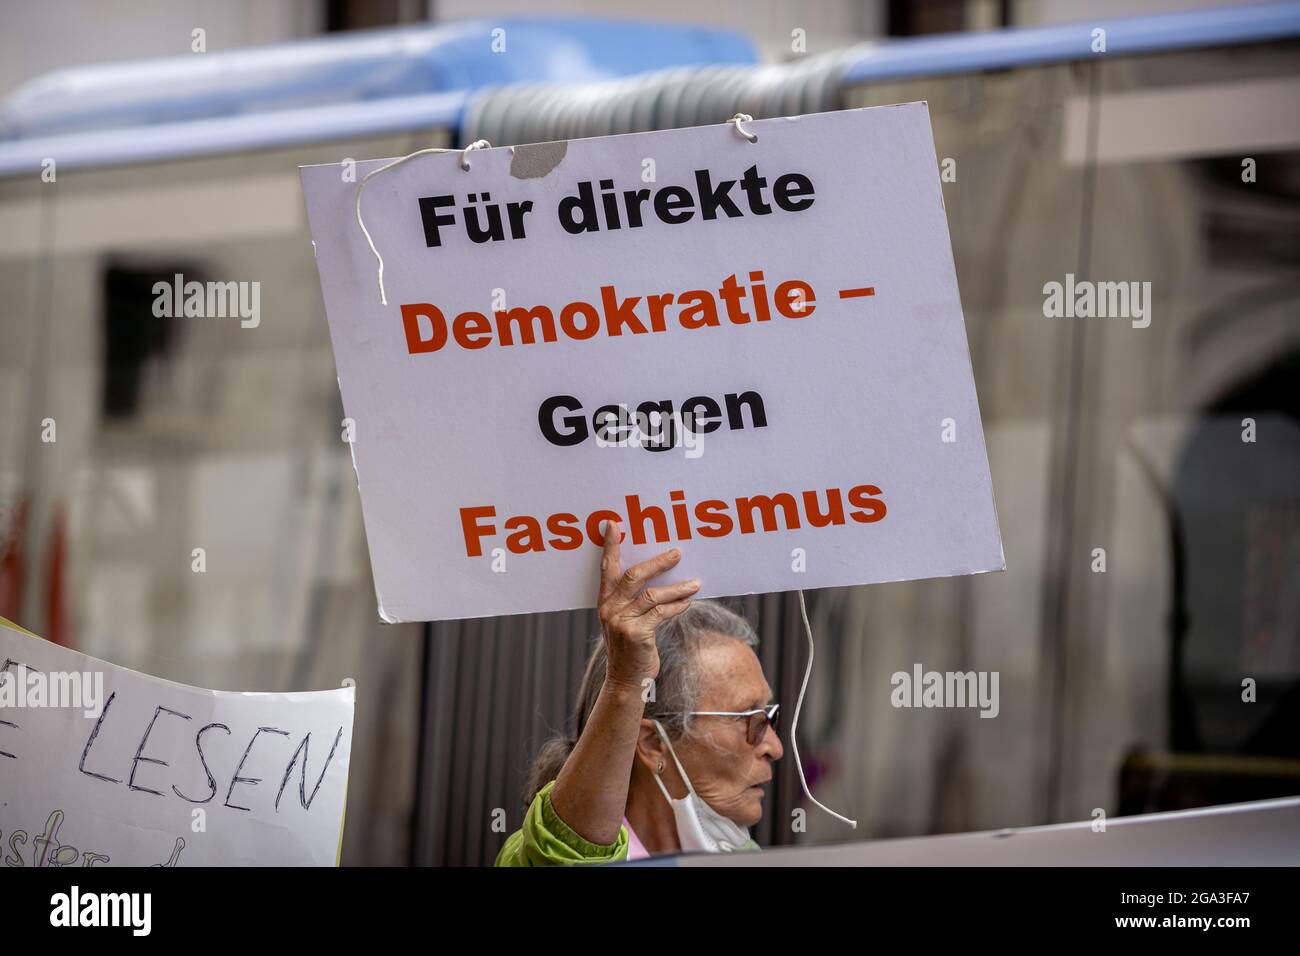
x=18, y=627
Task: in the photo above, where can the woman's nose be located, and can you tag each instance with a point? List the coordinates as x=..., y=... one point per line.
x=770, y=745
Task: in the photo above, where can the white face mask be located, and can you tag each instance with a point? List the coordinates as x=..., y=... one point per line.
x=699, y=826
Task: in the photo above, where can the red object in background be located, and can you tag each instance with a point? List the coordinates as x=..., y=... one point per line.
x=11, y=561
x=58, y=619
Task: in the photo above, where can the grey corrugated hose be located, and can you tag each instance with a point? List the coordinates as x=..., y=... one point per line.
x=665, y=99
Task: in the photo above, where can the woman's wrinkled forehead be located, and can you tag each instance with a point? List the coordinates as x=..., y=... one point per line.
x=731, y=677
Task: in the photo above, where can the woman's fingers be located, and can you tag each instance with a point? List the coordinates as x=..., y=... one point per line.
x=609, y=560
x=662, y=595
x=672, y=610
x=630, y=581
x=624, y=604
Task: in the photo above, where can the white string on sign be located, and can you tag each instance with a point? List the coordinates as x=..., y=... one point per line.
x=794, y=725
x=738, y=121
x=464, y=164
x=740, y=118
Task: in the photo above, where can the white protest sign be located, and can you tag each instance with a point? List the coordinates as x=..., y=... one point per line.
x=752, y=351
x=104, y=766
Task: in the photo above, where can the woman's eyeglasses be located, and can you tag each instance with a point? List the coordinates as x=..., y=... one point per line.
x=756, y=721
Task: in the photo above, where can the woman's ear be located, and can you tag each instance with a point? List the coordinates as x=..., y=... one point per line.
x=653, y=756
x=650, y=750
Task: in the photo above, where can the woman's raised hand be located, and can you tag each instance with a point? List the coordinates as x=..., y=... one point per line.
x=629, y=613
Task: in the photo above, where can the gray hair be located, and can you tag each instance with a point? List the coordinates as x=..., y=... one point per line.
x=676, y=689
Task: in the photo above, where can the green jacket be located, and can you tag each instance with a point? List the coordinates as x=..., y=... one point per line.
x=546, y=840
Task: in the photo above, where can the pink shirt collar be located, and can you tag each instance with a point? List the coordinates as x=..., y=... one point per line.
x=635, y=848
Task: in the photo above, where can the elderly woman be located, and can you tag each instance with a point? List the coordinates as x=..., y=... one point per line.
x=674, y=731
